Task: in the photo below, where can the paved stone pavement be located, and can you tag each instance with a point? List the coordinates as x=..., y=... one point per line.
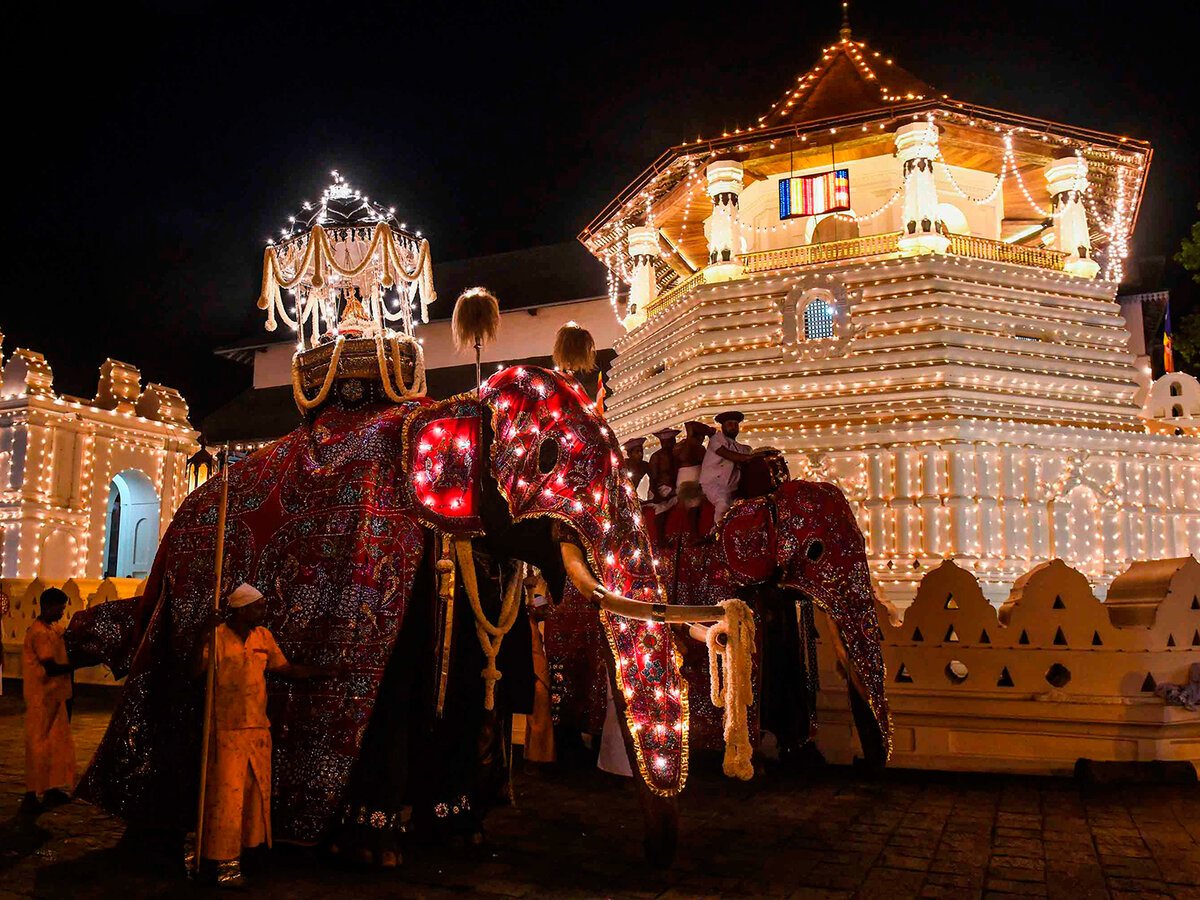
x=829, y=833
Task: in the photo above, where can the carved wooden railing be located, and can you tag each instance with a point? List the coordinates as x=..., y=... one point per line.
x=828, y=251
x=659, y=303
x=869, y=246
x=998, y=251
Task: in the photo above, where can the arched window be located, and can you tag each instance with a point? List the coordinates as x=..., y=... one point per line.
x=818, y=320
x=834, y=228
x=131, y=528
x=1176, y=389
x=953, y=218
x=1176, y=411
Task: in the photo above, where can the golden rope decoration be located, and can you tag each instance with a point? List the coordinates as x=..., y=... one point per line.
x=490, y=636
x=298, y=388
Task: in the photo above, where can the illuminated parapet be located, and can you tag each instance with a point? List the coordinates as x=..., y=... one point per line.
x=1052, y=677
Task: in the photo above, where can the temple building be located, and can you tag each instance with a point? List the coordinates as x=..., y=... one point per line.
x=87, y=487
x=914, y=298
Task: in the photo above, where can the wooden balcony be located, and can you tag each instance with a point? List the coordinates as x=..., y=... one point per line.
x=659, y=303
x=998, y=251
x=872, y=245
x=815, y=254
x=889, y=244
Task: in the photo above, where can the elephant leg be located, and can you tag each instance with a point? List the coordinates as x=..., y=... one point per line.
x=660, y=815
x=660, y=818
x=870, y=734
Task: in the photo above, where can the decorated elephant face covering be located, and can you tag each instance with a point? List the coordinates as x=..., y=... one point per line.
x=553, y=456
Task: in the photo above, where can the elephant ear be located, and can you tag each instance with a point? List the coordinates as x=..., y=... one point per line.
x=553, y=456
x=442, y=460
x=747, y=536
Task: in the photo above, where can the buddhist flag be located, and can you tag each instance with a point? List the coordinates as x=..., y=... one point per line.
x=1168, y=354
x=813, y=195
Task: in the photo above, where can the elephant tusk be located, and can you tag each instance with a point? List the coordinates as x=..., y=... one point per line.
x=585, y=582
x=699, y=633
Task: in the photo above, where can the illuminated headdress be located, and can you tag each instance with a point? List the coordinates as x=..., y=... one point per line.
x=353, y=276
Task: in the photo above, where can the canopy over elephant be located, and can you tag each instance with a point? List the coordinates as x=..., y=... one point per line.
x=344, y=526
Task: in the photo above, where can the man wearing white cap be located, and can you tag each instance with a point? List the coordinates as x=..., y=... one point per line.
x=237, y=795
x=721, y=469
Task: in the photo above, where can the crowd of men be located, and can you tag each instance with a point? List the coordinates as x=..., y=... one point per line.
x=684, y=474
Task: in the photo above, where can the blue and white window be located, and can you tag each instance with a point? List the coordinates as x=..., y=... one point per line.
x=818, y=320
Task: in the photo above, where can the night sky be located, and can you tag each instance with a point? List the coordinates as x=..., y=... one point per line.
x=156, y=149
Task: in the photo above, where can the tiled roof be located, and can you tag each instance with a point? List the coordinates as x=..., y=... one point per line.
x=849, y=78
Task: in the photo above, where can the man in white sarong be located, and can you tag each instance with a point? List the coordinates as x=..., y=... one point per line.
x=721, y=469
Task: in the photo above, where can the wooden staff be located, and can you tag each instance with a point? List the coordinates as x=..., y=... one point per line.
x=211, y=676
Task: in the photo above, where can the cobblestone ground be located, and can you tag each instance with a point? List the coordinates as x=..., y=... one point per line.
x=826, y=834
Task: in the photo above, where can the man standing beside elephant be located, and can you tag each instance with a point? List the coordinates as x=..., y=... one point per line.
x=721, y=469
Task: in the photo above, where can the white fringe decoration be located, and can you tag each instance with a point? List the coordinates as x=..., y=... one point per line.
x=731, y=683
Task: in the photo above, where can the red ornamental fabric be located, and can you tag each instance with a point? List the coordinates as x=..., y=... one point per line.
x=554, y=456
x=323, y=523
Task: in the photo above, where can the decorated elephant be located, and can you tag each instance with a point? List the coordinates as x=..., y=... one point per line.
x=361, y=528
x=791, y=554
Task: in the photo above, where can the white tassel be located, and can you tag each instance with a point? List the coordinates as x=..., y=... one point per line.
x=731, y=683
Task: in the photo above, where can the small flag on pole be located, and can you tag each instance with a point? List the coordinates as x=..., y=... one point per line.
x=1168, y=354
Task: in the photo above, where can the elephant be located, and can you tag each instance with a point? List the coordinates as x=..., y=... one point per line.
x=787, y=553
x=358, y=528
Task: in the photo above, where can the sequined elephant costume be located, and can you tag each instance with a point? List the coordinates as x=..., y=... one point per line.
x=340, y=524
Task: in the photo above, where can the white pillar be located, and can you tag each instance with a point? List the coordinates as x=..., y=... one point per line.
x=643, y=251
x=1067, y=180
x=723, y=227
x=917, y=148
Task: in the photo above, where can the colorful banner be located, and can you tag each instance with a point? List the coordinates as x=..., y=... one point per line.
x=1168, y=353
x=812, y=195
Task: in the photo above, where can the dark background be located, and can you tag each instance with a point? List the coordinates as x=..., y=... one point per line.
x=158, y=145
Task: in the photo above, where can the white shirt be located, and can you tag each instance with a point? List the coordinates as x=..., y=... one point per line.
x=719, y=475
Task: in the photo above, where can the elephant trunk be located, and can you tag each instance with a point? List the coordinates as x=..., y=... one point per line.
x=576, y=566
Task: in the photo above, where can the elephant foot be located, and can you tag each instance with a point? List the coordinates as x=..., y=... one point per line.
x=660, y=816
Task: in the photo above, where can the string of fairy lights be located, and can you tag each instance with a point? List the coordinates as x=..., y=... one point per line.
x=46, y=508
x=939, y=372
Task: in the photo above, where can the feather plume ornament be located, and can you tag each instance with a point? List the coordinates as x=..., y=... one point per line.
x=575, y=349
x=476, y=319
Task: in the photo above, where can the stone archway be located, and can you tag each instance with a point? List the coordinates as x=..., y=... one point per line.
x=131, y=526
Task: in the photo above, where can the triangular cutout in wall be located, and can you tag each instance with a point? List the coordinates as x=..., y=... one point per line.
x=1005, y=678
x=1096, y=642
x=1170, y=640
x=983, y=637
x=951, y=603
x=1024, y=638
x=1196, y=638
x=1149, y=684
x=1196, y=603
x=951, y=635
x=902, y=676
x=1058, y=604
x=1060, y=639
x=917, y=636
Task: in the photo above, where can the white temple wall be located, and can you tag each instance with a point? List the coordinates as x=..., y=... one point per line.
x=998, y=510
x=60, y=468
